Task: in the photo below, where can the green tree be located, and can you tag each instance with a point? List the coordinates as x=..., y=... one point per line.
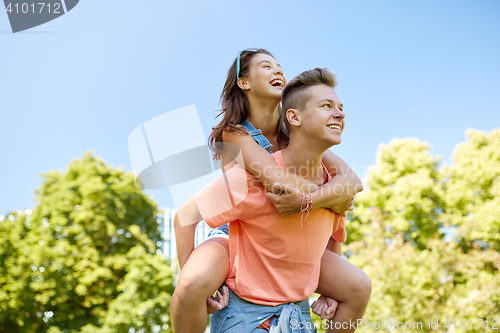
x=473, y=190
x=85, y=259
x=17, y=301
x=395, y=236
x=437, y=283
x=405, y=187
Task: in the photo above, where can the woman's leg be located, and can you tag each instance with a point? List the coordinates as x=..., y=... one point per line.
x=348, y=285
x=204, y=272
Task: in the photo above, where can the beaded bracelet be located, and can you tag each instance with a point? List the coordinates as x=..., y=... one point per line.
x=305, y=206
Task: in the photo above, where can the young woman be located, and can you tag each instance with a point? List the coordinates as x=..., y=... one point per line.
x=251, y=99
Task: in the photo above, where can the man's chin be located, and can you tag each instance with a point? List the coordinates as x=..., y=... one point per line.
x=335, y=142
x=330, y=143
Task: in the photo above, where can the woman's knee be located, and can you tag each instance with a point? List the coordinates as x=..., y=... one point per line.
x=204, y=271
x=362, y=287
x=193, y=283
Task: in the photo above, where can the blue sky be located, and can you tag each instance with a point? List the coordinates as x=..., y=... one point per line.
x=425, y=69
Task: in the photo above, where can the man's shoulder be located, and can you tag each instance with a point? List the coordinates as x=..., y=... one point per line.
x=238, y=169
x=240, y=180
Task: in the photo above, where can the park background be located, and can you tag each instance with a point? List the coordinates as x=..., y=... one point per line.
x=425, y=229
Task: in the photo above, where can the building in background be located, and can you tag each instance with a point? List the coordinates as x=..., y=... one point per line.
x=165, y=219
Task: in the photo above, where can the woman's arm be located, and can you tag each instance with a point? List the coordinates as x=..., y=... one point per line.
x=262, y=165
x=337, y=194
x=185, y=222
x=343, y=186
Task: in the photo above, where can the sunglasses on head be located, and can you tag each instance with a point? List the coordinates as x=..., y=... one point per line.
x=238, y=62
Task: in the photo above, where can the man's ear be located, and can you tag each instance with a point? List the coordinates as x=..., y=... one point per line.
x=243, y=83
x=293, y=117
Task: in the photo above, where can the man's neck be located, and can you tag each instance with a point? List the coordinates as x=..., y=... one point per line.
x=304, y=159
x=264, y=115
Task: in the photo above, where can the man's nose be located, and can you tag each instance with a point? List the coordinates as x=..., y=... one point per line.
x=338, y=114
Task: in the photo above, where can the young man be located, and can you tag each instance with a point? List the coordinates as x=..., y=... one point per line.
x=275, y=259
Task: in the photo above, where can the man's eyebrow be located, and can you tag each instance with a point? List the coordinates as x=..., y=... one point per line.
x=329, y=100
x=268, y=62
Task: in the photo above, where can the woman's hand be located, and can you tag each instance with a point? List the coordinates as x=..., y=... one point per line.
x=286, y=199
x=325, y=307
x=218, y=302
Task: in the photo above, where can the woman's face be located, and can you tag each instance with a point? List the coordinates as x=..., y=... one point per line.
x=266, y=78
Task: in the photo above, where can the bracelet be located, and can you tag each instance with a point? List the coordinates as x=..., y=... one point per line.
x=305, y=206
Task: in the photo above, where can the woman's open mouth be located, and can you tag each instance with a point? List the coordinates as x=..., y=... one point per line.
x=277, y=83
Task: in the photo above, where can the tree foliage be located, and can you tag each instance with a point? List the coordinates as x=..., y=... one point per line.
x=85, y=259
x=405, y=187
x=440, y=282
x=473, y=190
x=396, y=233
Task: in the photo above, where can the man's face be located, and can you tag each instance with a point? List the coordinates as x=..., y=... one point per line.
x=323, y=118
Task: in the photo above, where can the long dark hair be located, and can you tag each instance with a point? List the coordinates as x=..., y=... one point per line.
x=235, y=106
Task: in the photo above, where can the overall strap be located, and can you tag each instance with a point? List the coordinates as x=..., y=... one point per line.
x=257, y=135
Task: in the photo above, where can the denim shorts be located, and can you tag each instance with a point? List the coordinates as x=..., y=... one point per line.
x=222, y=231
x=241, y=316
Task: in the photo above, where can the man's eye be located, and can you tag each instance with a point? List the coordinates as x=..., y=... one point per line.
x=327, y=105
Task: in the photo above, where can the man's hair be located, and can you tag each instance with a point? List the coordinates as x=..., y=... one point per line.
x=296, y=93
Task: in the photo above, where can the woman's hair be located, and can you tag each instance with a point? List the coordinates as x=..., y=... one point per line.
x=235, y=106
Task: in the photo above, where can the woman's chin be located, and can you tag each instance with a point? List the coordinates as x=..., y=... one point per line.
x=276, y=94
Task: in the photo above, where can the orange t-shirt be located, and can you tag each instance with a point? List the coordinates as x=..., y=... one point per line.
x=273, y=259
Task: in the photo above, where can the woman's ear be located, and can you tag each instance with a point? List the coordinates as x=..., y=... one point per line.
x=293, y=117
x=243, y=83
